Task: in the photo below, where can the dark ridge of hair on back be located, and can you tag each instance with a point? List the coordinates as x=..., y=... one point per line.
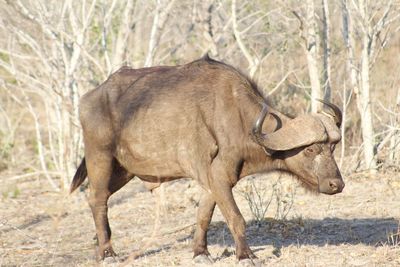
x=255, y=89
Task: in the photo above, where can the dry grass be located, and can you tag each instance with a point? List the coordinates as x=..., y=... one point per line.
x=359, y=227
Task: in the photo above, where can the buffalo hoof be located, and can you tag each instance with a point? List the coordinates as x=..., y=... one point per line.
x=203, y=259
x=251, y=263
x=107, y=253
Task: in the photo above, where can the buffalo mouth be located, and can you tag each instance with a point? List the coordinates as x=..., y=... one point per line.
x=310, y=184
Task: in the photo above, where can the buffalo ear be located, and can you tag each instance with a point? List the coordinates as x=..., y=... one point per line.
x=300, y=131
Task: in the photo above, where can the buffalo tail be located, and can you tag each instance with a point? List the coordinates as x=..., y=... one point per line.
x=79, y=177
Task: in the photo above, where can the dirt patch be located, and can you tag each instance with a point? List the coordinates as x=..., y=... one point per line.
x=356, y=228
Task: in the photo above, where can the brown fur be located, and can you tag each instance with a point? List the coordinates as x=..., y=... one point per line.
x=195, y=120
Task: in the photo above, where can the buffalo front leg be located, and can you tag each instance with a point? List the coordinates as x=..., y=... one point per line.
x=204, y=215
x=221, y=187
x=236, y=223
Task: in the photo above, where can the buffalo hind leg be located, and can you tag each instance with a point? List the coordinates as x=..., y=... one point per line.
x=156, y=190
x=204, y=215
x=106, y=177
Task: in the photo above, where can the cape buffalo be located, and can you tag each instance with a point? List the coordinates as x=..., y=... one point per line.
x=204, y=120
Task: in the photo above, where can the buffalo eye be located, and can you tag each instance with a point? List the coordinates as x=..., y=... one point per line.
x=309, y=150
x=312, y=150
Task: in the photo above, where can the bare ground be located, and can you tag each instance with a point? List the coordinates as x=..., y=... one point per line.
x=359, y=227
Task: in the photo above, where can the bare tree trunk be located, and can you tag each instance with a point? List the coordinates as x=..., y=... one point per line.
x=70, y=93
x=394, y=149
x=312, y=56
x=364, y=105
x=343, y=129
x=40, y=145
x=327, y=51
x=159, y=20
x=363, y=95
x=153, y=36
x=138, y=49
x=350, y=68
x=360, y=76
x=252, y=61
x=122, y=38
x=348, y=37
x=202, y=18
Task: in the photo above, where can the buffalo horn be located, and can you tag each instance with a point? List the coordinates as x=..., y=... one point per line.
x=259, y=123
x=337, y=113
x=301, y=131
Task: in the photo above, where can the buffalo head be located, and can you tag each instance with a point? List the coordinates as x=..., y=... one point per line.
x=306, y=145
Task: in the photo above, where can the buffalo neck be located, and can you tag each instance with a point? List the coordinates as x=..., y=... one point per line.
x=257, y=159
x=260, y=161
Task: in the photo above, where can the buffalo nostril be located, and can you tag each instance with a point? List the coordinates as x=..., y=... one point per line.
x=336, y=186
x=333, y=185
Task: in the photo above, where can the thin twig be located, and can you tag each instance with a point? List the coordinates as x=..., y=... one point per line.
x=26, y=175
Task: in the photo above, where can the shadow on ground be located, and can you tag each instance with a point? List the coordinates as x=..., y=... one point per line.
x=329, y=231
